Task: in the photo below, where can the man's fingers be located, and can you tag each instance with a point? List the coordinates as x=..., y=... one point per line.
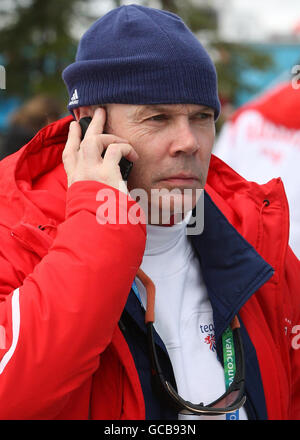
x=115, y=152
x=73, y=142
x=96, y=127
x=97, y=123
x=82, y=157
x=107, y=139
x=91, y=149
x=74, y=136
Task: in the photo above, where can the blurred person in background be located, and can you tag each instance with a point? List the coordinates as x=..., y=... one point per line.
x=261, y=141
x=27, y=120
x=102, y=318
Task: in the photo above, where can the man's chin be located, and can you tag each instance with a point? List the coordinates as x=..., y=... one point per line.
x=173, y=207
x=162, y=204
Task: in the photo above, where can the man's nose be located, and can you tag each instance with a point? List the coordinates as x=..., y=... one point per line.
x=184, y=138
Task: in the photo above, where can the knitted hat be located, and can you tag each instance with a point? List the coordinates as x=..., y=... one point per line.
x=140, y=55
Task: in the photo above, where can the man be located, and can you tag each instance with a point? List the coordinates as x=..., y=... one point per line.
x=76, y=342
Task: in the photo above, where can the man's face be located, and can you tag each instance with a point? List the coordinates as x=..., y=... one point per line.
x=174, y=143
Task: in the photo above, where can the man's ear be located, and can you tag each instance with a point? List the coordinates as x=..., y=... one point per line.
x=82, y=112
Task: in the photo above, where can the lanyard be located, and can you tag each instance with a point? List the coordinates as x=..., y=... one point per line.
x=229, y=365
x=228, y=356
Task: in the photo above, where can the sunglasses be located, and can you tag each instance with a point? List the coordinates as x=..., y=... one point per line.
x=229, y=402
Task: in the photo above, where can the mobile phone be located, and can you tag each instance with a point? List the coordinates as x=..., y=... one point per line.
x=124, y=164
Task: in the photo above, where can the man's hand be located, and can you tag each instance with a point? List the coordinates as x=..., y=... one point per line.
x=82, y=158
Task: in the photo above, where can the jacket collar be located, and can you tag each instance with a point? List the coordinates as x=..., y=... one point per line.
x=232, y=269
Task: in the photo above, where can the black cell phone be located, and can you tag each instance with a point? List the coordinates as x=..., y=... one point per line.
x=124, y=164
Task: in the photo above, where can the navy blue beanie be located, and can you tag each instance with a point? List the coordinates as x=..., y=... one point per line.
x=140, y=55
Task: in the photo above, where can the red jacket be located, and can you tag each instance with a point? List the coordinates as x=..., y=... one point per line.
x=62, y=355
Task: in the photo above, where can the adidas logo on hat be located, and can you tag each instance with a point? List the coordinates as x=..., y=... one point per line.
x=74, y=98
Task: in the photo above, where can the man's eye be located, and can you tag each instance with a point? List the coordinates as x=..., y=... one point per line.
x=157, y=118
x=204, y=115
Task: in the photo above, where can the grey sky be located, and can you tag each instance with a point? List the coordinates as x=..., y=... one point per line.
x=267, y=16
x=255, y=19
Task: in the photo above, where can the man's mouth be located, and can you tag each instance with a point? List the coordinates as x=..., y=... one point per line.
x=182, y=178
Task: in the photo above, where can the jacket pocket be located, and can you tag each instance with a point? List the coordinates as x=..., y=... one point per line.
x=37, y=239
